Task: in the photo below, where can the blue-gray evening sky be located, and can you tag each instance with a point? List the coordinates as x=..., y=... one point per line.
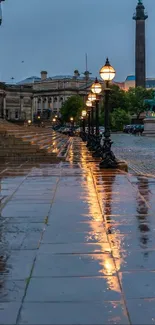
x=54, y=35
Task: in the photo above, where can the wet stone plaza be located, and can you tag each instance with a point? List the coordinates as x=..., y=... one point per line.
x=77, y=244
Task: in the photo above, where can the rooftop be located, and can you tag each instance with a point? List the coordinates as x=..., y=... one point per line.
x=34, y=79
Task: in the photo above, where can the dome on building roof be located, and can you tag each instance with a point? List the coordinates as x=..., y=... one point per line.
x=130, y=78
x=29, y=80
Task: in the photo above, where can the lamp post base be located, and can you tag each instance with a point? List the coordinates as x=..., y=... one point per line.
x=109, y=161
x=108, y=158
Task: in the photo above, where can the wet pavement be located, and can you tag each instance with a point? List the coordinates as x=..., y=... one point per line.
x=77, y=245
x=138, y=151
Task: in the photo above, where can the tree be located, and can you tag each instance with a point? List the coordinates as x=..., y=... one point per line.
x=136, y=97
x=118, y=98
x=72, y=107
x=119, y=118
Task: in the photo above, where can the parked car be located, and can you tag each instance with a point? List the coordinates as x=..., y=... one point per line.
x=127, y=128
x=138, y=128
x=101, y=130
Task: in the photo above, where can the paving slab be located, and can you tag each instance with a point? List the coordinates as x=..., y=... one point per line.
x=73, y=265
x=9, y=312
x=141, y=311
x=73, y=313
x=74, y=289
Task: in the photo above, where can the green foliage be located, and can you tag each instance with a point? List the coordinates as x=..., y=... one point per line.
x=136, y=97
x=72, y=107
x=119, y=118
x=118, y=98
x=125, y=104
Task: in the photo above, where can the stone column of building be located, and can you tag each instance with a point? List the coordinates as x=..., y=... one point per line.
x=21, y=109
x=32, y=107
x=39, y=104
x=140, y=65
x=35, y=104
x=4, y=106
x=46, y=103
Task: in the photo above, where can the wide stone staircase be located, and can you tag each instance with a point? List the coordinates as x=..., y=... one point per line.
x=31, y=143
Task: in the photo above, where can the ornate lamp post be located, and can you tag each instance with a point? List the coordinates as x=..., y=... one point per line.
x=107, y=73
x=96, y=89
x=72, y=121
x=83, y=116
x=89, y=106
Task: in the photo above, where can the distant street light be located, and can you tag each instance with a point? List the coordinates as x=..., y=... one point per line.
x=84, y=114
x=96, y=87
x=88, y=103
x=91, y=97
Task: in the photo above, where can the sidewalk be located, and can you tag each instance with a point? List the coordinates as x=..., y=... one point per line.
x=77, y=244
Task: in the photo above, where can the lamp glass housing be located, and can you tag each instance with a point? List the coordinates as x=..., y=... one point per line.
x=92, y=97
x=96, y=87
x=107, y=72
x=84, y=113
x=88, y=103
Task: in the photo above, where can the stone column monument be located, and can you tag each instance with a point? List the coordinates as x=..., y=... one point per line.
x=140, y=70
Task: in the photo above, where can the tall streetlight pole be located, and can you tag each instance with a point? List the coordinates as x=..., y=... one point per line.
x=109, y=160
x=83, y=115
x=89, y=107
x=96, y=89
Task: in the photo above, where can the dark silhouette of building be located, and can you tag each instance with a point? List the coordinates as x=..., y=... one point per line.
x=140, y=65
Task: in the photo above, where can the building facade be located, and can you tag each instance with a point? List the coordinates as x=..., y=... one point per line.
x=44, y=96
x=130, y=82
x=41, y=95
x=16, y=102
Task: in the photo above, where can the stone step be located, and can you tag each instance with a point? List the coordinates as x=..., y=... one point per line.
x=27, y=142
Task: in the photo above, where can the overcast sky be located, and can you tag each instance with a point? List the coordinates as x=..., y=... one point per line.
x=54, y=35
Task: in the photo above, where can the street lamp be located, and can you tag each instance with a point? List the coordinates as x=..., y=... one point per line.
x=107, y=73
x=89, y=106
x=83, y=117
x=91, y=97
x=88, y=103
x=96, y=89
x=72, y=123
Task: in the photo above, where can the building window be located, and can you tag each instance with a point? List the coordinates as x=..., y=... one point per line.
x=7, y=113
x=61, y=99
x=55, y=99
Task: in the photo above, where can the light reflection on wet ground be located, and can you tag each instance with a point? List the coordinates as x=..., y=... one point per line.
x=77, y=244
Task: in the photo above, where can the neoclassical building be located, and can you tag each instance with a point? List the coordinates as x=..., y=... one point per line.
x=16, y=102
x=41, y=95
x=45, y=95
